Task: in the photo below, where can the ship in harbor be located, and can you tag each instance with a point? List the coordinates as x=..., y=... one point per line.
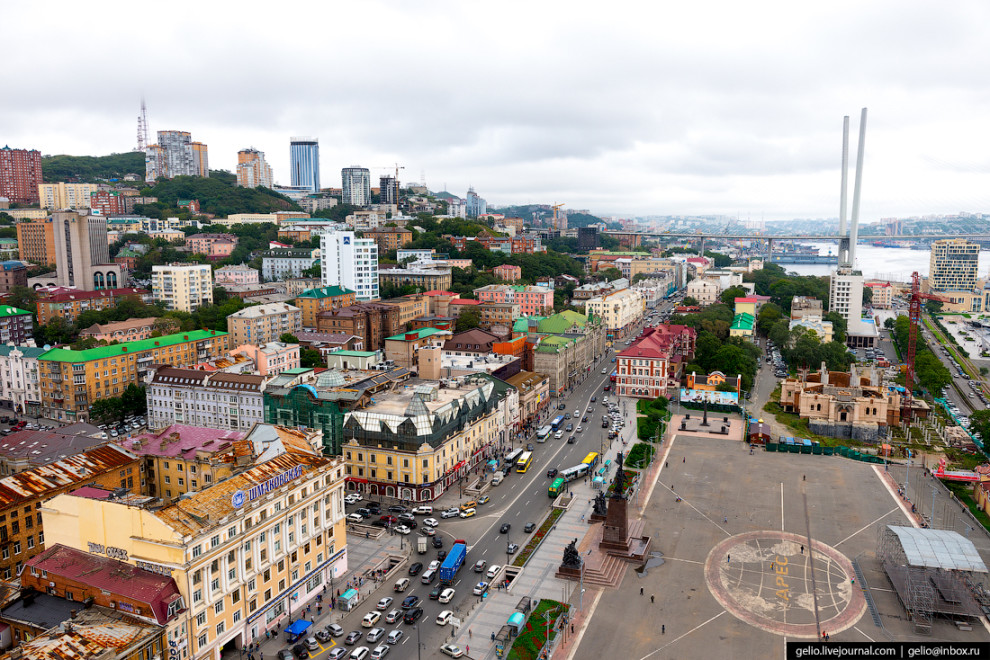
x=792, y=253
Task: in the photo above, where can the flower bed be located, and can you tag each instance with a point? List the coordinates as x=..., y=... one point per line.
x=537, y=539
x=529, y=642
x=631, y=478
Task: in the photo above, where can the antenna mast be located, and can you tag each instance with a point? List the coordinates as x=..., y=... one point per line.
x=142, y=129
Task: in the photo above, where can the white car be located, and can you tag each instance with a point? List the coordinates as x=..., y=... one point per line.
x=493, y=571
x=423, y=510
x=453, y=650
x=446, y=595
x=578, y=429
x=354, y=518
x=402, y=529
x=558, y=435
x=370, y=619
x=434, y=565
x=604, y=371
x=353, y=498
x=444, y=617
x=478, y=590
x=431, y=522
x=449, y=513
x=577, y=414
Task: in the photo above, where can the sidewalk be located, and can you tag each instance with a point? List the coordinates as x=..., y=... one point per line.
x=363, y=555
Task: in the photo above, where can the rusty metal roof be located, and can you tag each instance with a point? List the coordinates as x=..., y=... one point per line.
x=202, y=511
x=41, y=481
x=90, y=635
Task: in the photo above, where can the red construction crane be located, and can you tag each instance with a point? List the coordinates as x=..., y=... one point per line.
x=914, y=317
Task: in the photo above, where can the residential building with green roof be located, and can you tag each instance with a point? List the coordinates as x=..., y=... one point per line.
x=743, y=325
x=16, y=325
x=322, y=299
x=19, y=384
x=72, y=381
x=402, y=348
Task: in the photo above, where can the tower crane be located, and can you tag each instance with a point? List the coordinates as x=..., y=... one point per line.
x=396, y=167
x=914, y=317
x=555, y=207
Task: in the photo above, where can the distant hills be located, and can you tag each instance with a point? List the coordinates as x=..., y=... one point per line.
x=218, y=195
x=90, y=169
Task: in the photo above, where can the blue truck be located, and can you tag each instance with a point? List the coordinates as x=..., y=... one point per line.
x=453, y=561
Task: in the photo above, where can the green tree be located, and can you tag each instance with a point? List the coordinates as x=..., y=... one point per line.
x=56, y=331
x=288, y=338
x=888, y=323
x=839, y=326
x=690, y=301
x=729, y=295
x=611, y=274
x=768, y=315
x=310, y=358
x=468, y=319
x=24, y=298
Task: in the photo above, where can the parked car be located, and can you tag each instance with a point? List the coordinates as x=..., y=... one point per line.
x=449, y=513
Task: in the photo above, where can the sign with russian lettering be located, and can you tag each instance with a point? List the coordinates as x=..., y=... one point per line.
x=239, y=498
x=113, y=553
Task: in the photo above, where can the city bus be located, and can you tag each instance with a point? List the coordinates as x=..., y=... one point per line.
x=557, y=422
x=572, y=473
x=524, y=461
x=591, y=460
x=543, y=433
x=510, y=460
x=555, y=487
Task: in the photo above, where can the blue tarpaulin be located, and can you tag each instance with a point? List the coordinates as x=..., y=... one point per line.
x=298, y=627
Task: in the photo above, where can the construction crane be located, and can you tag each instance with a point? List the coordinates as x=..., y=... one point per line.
x=396, y=167
x=555, y=207
x=914, y=317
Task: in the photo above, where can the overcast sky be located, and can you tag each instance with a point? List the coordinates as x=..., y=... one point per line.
x=637, y=108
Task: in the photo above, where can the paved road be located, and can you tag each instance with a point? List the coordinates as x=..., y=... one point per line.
x=521, y=498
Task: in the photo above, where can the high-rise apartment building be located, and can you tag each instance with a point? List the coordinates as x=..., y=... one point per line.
x=60, y=196
x=82, y=253
x=20, y=174
x=355, y=186
x=36, y=241
x=253, y=170
x=953, y=265
x=475, y=205
x=107, y=202
x=388, y=188
x=351, y=263
x=845, y=295
x=304, y=159
x=184, y=287
x=175, y=155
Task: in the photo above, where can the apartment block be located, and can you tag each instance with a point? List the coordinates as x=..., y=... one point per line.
x=36, y=241
x=82, y=252
x=350, y=262
x=175, y=155
x=252, y=169
x=372, y=322
x=617, y=310
x=283, y=263
x=120, y=331
x=70, y=303
x=71, y=381
x=16, y=325
x=532, y=300
x=107, y=203
x=20, y=384
x=953, y=265
x=216, y=400
x=214, y=246
x=425, y=279
x=260, y=324
x=20, y=175
x=242, y=274
x=272, y=358
x=323, y=299
x=389, y=238
x=182, y=287
x=60, y=196
x=12, y=273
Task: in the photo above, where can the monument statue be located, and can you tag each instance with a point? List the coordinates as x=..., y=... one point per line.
x=601, y=507
x=572, y=558
x=619, y=483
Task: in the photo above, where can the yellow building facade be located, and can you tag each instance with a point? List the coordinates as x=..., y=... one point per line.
x=59, y=196
x=246, y=554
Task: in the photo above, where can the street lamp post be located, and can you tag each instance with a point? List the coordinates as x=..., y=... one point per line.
x=419, y=646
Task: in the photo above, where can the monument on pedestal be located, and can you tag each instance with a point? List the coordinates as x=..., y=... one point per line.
x=621, y=538
x=600, y=509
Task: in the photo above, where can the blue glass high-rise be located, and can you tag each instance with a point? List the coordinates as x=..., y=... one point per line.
x=304, y=155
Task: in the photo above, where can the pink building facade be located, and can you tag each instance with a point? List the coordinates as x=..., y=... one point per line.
x=507, y=272
x=214, y=246
x=532, y=300
x=271, y=359
x=236, y=275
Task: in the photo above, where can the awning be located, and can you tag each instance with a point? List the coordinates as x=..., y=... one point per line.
x=350, y=593
x=298, y=627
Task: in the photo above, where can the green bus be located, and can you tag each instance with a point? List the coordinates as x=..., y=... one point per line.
x=556, y=487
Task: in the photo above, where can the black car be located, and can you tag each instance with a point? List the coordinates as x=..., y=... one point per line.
x=285, y=654
x=570, y=440
x=442, y=554
x=504, y=529
x=363, y=512
x=353, y=637
x=415, y=568
x=435, y=592
x=594, y=398
x=529, y=447
x=604, y=423
x=530, y=526
x=397, y=508
x=374, y=507
x=410, y=602
x=300, y=652
x=551, y=473
x=437, y=542
x=585, y=419
x=412, y=615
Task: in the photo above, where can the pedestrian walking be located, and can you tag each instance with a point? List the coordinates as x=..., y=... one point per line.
x=728, y=558
x=652, y=598
x=663, y=629
x=470, y=633
x=725, y=519
x=572, y=628
x=802, y=549
x=684, y=460
x=493, y=636
x=666, y=463
x=641, y=591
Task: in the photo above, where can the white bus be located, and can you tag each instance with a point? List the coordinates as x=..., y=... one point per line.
x=543, y=433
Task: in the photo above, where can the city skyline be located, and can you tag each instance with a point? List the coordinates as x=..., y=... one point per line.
x=723, y=110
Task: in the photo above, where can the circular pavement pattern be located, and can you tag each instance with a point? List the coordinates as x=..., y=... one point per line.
x=764, y=579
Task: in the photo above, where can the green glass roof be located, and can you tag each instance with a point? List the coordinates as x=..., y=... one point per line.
x=744, y=321
x=7, y=310
x=325, y=292
x=127, y=348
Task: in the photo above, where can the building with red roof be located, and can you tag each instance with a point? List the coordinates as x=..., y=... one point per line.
x=652, y=363
x=147, y=593
x=70, y=303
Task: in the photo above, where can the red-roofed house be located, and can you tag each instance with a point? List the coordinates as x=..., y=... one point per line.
x=651, y=365
x=883, y=294
x=69, y=304
x=147, y=593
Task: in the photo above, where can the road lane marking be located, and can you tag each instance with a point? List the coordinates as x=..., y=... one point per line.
x=836, y=545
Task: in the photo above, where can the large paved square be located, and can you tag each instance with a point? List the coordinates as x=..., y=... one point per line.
x=740, y=576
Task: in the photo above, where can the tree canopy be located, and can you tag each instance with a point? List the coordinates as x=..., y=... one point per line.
x=91, y=169
x=217, y=195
